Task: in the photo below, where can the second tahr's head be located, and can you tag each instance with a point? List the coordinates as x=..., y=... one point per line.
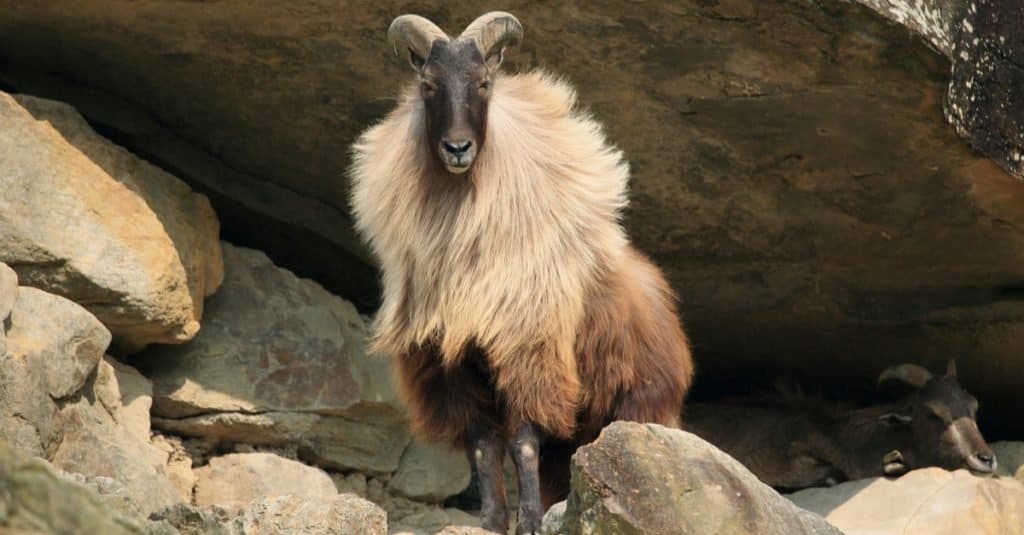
x=456, y=77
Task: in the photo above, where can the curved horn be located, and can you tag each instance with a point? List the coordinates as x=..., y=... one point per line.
x=415, y=32
x=911, y=374
x=494, y=31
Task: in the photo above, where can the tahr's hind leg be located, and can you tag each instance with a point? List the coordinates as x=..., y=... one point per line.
x=486, y=449
x=525, y=450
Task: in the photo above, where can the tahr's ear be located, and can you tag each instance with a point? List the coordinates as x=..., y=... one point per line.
x=894, y=419
x=416, y=61
x=951, y=368
x=494, y=60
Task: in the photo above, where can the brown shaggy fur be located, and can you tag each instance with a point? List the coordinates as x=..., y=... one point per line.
x=513, y=295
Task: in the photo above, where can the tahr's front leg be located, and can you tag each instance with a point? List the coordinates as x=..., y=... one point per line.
x=525, y=450
x=486, y=450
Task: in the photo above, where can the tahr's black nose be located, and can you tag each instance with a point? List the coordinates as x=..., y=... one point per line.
x=456, y=148
x=987, y=459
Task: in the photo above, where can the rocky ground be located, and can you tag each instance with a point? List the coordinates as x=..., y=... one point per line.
x=157, y=378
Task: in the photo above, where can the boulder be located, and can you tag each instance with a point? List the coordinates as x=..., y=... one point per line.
x=1011, y=458
x=87, y=220
x=95, y=444
x=343, y=514
x=430, y=472
x=280, y=361
x=985, y=98
x=645, y=478
x=929, y=501
x=61, y=400
x=53, y=346
x=233, y=481
x=792, y=171
x=34, y=498
x=126, y=395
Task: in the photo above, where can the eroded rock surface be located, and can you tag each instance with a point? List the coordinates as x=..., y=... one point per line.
x=343, y=514
x=62, y=401
x=645, y=478
x=280, y=361
x=85, y=219
x=34, y=498
x=930, y=501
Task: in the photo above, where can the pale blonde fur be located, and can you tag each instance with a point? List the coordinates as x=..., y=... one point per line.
x=506, y=258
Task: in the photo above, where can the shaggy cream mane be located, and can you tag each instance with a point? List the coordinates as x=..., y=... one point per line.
x=506, y=257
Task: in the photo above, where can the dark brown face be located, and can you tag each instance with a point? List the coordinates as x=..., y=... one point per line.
x=455, y=83
x=945, y=430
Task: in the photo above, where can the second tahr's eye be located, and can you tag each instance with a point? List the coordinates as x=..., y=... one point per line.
x=428, y=88
x=485, y=85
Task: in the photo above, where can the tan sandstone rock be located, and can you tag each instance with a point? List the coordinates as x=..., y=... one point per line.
x=61, y=401
x=929, y=501
x=178, y=465
x=233, y=481
x=83, y=218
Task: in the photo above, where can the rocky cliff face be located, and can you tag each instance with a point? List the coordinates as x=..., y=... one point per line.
x=793, y=173
x=182, y=310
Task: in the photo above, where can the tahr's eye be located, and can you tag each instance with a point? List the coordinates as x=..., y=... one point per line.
x=485, y=85
x=427, y=88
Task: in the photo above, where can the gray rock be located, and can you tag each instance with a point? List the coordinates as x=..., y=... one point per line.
x=93, y=443
x=34, y=498
x=343, y=514
x=110, y=491
x=87, y=220
x=553, y=522
x=930, y=501
x=283, y=347
x=1010, y=456
x=233, y=481
x=191, y=520
x=73, y=339
x=61, y=401
x=645, y=478
x=430, y=472
x=53, y=346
